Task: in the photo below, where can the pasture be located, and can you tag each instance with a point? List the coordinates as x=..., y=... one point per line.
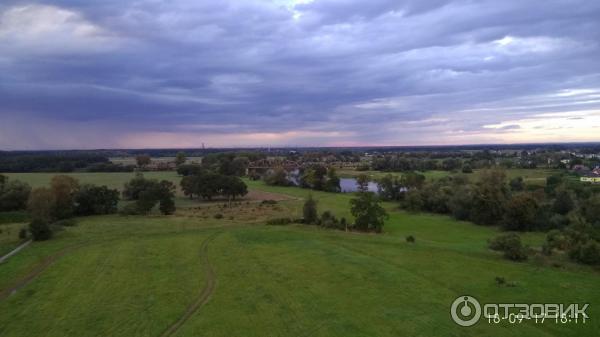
x=191, y=274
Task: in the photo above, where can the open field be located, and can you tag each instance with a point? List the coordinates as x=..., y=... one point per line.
x=139, y=276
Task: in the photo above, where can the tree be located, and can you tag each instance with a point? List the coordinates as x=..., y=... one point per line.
x=232, y=187
x=133, y=188
x=520, y=212
x=180, y=158
x=167, y=206
x=189, y=169
x=277, y=177
x=41, y=204
x=333, y=181
x=590, y=209
x=143, y=160
x=517, y=184
x=390, y=188
x=14, y=195
x=40, y=230
x=91, y=200
x=563, y=203
x=489, y=197
x=309, y=211
x=362, y=182
x=413, y=201
x=64, y=189
x=368, y=212
x=460, y=202
x=3, y=180
x=314, y=177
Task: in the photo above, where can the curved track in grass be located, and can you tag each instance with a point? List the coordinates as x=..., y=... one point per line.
x=209, y=288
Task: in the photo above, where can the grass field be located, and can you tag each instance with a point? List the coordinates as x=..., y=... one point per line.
x=137, y=276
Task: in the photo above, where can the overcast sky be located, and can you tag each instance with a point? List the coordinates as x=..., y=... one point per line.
x=179, y=73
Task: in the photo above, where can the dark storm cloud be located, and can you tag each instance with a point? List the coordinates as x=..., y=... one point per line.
x=295, y=72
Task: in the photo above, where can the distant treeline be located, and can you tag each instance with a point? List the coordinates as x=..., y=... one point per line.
x=49, y=162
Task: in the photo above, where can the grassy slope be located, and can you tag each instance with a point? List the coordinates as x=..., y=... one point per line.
x=135, y=275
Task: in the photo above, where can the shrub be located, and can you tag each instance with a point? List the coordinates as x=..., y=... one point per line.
x=410, y=239
x=23, y=233
x=40, y=230
x=586, y=252
x=218, y=216
x=500, y=280
x=130, y=209
x=65, y=223
x=279, y=221
x=511, y=245
x=329, y=220
x=309, y=210
x=268, y=202
x=502, y=242
x=167, y=206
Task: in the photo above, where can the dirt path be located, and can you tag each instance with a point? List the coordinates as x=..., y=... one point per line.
x=36, y=271
x=207, y=291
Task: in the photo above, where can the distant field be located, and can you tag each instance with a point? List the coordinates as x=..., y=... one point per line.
x=131, y=160
x=136, y=276
x=531, y=176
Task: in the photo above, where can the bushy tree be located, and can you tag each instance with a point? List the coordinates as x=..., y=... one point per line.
x=309, y=210
x=13, y=195
x=590, y=209
x=143, y=160
x=369, y=214
x=517, y=184
x=460, y=202
x=390, y=188
x=64, y=189
x=40, y=230
x=232, y=187
x=91, y=199
x=333, y=181
x=489, y=198
x=586, y=252
x=563, y=203
x=180, y=158
x=362, y=182
x=277, y=177
x=510, y=244
x=133, y=188
x=189, y=169
x=520, y=212
x=41, y=204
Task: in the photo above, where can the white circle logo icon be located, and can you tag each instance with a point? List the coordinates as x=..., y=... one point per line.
x=465, y=310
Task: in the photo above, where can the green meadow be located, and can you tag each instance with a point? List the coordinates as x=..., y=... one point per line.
x=191, y=274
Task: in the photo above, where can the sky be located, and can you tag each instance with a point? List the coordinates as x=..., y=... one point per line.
x=82, y=74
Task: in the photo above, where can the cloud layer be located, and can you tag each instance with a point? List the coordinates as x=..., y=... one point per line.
x=90, y=74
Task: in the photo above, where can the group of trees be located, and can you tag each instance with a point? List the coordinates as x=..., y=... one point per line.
x=147, y=193
x=207, y=185
x=64, y=199
x=320, y=178
x=13, y=194
x=562, y=205
x=369, y=215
